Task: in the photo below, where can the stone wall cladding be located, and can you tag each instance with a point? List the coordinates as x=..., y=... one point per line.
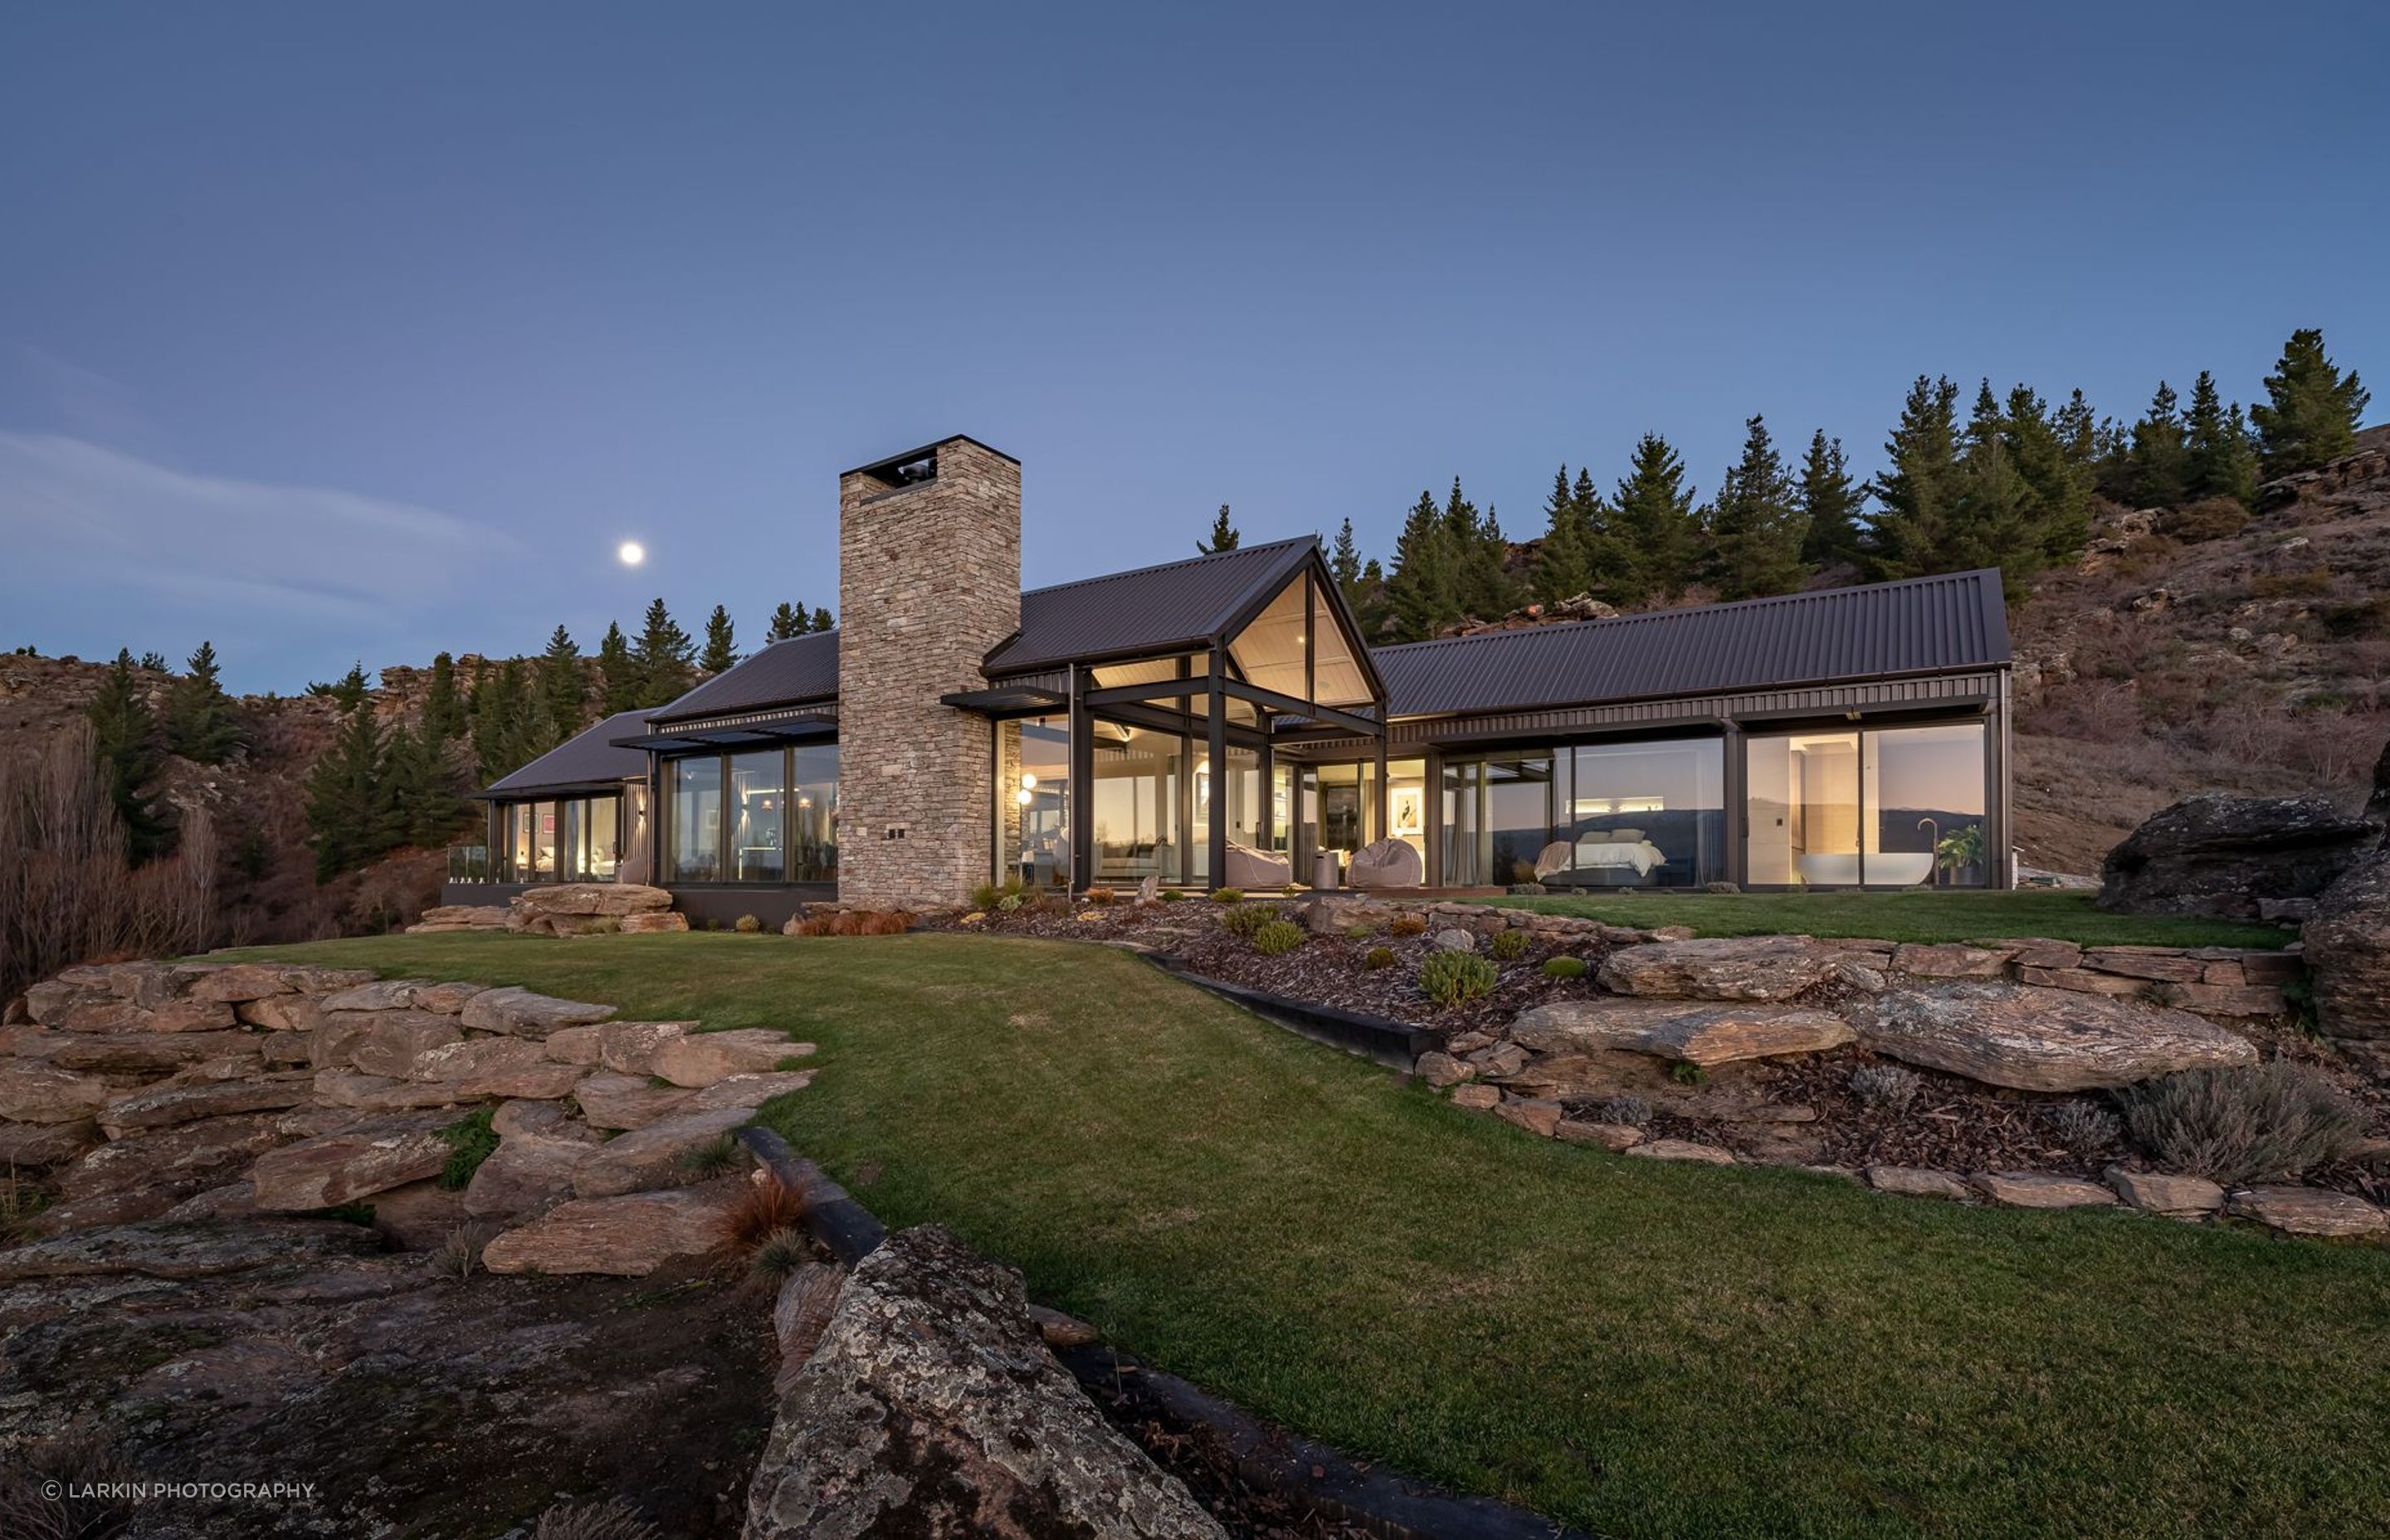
x=929, y=584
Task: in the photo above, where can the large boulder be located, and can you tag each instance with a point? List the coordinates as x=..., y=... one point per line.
x=2036, y=1039
x=700, y=1058
x=338, y=1168
x=198, y=1093
x=629, y=1236
x=654, y=1156
x=1721, y=967
x=930, y=1406
x=180, y=1249
x=2215, y=854
x=541, y=1146
x=39, y=1092
x=1703, y=1035
x=2348, y=951
x=524, y=1013
x=575, y=908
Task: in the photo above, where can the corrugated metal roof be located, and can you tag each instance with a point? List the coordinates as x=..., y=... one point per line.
x=585, y=759
x=1151, y=608
x=802, y=668
x=1916, y=625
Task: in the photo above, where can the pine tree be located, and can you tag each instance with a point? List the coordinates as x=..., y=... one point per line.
x=662, y=657
x=2311, y=411
x=1658, y=537
x=154, y=661
x=346, y=691
x=1477, y=553
x=1419, y=589
x=787, y=621
x=1907, y=535
x=2050, y=454
x=1344, y=561
x=721, y=648
x=2159, y=459
x=509, y=726
x=823, y=620
x=1370, y=610
x=2217, y=461
x=559, y=689
x=1224, y=536
x=200, y=724
x=351, y=817
x=124, y=748
x=1757, y=523
x=1991, y=512
x=444, y=709
x=1831, y=501
x=1562, y=570
x=618, y=675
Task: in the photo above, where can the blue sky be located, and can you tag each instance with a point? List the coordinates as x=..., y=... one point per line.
x=334, y=334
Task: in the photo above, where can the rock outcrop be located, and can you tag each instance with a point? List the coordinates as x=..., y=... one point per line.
x=2228, y=856
x=930, y=1406
x=2348, y=951
x=1721, y=967
x=2035, y=1039
x=579, y=908
x=1703, y=1034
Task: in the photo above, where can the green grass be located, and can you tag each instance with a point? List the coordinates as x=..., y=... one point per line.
x=1639, y=1348
x=1945, y=915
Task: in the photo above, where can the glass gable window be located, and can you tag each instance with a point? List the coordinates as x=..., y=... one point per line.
x=1890, y=807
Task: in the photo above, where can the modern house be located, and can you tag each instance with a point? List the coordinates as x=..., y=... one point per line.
x=1175, y=721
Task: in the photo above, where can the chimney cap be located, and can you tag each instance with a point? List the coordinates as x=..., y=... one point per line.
x=893, y=461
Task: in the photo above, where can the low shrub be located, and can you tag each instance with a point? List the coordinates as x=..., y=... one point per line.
x=1172, y=895
x=1228, y=895
x=765, y=1207
x=1292, y=889
x=991, y=895
x=1407, y=925
x=460, y=1252
x=715, y=1157
x=19, y=1201
x=811, y=925
x=471, y=1140
x=2278, y=1121
x=1278, y=937
x=1563, y=968
x=1507, y=945
x=1244, y=920
x=1379, y=957
x=1684, y=1073
x=1633, y=1111
x=870, y=922
x=1456, y=977
x=2209, y=519
x=1357, y=932
x=749, y=926
x=2083, y=1130
x=780, y=1253
x=1101, y=895
x=611, y=1519
x=1888, y=1087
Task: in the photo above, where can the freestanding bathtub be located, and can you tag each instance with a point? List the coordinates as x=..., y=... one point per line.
x=1884, y=869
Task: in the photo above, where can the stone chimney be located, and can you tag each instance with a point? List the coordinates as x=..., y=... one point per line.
x=928, y=582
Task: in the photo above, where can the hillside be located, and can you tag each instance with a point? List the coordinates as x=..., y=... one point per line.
x=2182, y=655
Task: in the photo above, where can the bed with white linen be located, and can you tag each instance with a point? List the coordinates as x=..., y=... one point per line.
x=1600, y=859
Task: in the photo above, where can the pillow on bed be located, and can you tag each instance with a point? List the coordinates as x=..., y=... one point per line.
x=1596, y=837
x=1626, y=836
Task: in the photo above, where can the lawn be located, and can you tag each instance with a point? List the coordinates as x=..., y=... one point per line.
x=1638, y=1348
x=1928, y=914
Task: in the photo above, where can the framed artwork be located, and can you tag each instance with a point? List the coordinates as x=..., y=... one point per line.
x=1406, y=810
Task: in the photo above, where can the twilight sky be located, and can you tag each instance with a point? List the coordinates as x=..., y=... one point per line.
x=333, y=335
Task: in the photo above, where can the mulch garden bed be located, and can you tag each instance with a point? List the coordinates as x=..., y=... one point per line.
x=1800, y=1110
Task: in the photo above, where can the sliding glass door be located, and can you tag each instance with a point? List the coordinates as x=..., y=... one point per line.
x=1879, y=807
x=762, y=817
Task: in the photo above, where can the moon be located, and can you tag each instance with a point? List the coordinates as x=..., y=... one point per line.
x=631, y=553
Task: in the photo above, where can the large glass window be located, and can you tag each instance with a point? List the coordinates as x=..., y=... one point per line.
x=1894, y=807
x=812, y=817
x=543, y=841
x=600, y=850
x=1407, y=795
x=1648, y=815
x=578, y=840
x=1498, y=819
x=696, y=819
x=1138, y=782
x=758, y=807
x=1340, y=808
x=1032, y=787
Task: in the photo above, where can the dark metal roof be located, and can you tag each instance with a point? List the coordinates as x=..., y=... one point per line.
x=1918, y=625
x=1152, y=610
x=802, y=668
x=583, y=761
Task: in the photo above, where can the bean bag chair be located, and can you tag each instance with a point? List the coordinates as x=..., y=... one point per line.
x=1254, y=869
x=1386, y=863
